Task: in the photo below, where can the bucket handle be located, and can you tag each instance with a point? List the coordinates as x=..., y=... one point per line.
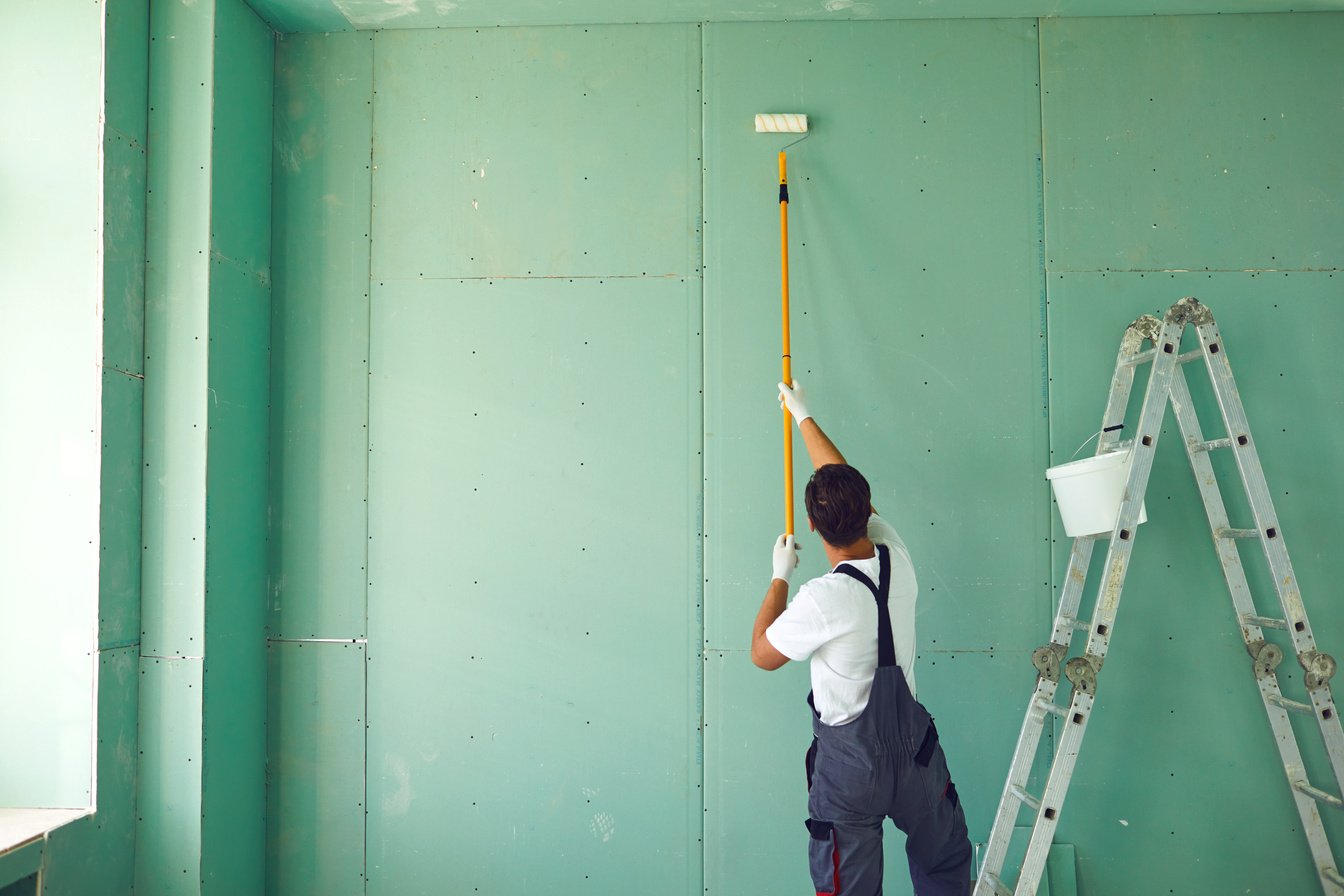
x=1114, y=428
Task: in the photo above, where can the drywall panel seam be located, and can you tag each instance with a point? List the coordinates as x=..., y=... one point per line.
x=1205, y=270
x=118, y=645
x=133, y=141
x=569, y=277
x=99, y=252
x=317, y=640
x=133, y=375
x=262, y=275
x=1044, y=266
x=364, y=753
x=368, y=435
x=698, y=570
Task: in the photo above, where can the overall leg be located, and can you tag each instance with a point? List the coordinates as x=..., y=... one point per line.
x=929, y=811
x=845, y=833
x=846, y=857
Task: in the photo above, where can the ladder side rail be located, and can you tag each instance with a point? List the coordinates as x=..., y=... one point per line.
x=1308, y=810
x=1070, y=597
x=1214, y=509
x=1257, y=489
x=1121, y=546
x=1068, y=744
x=1082, y=671
x=1318, y=667
x=1263, y=658
x=1010, y=804
x=1049, y=660
x=1050, y=657
x=1144, y=329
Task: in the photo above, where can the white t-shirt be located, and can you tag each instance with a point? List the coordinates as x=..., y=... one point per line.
x=833, y=620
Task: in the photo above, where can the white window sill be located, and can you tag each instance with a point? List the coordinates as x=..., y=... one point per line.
x=20, y=826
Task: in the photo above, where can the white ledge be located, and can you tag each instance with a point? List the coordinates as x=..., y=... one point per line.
x=19, y=826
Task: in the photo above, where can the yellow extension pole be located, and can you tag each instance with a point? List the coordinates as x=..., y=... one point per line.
x=787, y=370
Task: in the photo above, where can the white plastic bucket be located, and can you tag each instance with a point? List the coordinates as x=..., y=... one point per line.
x=1089, y=492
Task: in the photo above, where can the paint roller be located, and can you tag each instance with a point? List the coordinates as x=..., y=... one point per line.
x=785, y=123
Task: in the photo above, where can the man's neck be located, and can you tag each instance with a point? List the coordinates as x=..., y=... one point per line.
x=860, y=550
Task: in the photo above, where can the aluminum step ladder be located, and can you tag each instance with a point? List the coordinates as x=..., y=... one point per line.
x=1167, y=383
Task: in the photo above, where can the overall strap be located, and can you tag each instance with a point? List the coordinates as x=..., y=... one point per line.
x=886, y=648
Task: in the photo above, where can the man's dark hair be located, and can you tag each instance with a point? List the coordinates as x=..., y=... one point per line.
x=838, y=503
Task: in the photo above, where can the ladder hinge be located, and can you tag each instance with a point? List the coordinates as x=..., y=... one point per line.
x=1046, y=659
x=1146, y=327
x=1319, y=668
x=1266, y=656
x=1082, y=671
x=1189, y=311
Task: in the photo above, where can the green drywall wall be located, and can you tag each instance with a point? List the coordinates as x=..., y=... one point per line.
x=346, y=15
x=953, y=338
x=1177, y=712
x=168, y=789
x=1217, y=154
x=125, y=139
x=1210, y=155
x=534, y=259
x=202, y=710
x=529, y=153
x=177, y=328
x=25, y=887
x=21, y=864
x=50, y=278
x=95, y=855
x=315, y=761
x=233, y=797
x=320, y=336
x=917, y=328
x=177, y=334
x=318, y=537
x=554, y=667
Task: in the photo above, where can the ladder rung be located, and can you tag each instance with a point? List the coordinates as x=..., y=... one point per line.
x=1211, y=444
x=1052, y=706
x=1000, y=888
x=1318, y=795
x=1025, y=797
x=1291, y=705
x=1193, y=355
x=1140, y=358
x=1263, y=622
x=1080, y=625
x=1332, y=875
x=1237, y=533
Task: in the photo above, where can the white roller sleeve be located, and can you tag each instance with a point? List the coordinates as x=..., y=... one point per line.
x=785, y=122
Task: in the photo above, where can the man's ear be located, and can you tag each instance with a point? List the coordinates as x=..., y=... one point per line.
x=812, y=527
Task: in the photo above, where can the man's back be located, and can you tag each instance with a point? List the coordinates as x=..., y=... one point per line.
x=833, y=620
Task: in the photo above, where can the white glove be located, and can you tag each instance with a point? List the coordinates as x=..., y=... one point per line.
x=794, y=400
x=785, y=557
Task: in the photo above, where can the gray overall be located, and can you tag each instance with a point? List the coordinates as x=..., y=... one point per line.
x=887, y=763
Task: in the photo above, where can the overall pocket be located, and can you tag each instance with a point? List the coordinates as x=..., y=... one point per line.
x=823, y=857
